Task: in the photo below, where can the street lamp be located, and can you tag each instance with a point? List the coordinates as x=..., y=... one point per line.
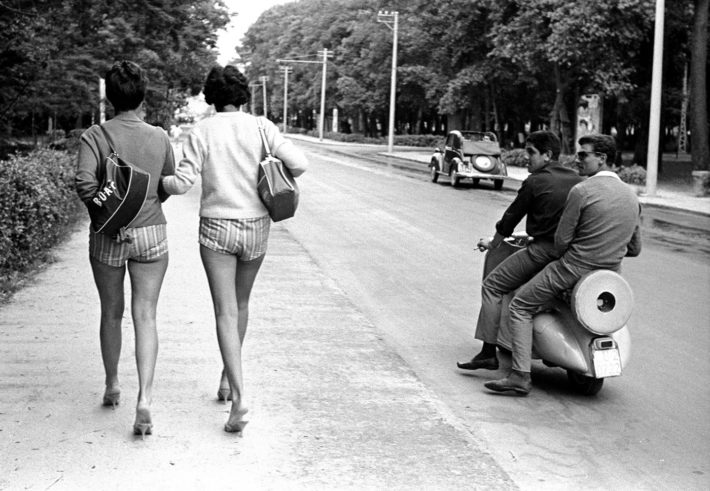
x=391, y=20
x=655, y=117
x=264, y=79
x=325, y=54
x=286, y=70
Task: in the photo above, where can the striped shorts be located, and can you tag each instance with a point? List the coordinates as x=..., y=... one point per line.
x=247, y=238
x=143, y=245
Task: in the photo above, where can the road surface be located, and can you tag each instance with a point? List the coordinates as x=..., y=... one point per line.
x=402, y=249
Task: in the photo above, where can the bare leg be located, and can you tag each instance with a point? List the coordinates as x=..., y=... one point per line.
x=231, y=282
x=146, y=280
x=109, y=282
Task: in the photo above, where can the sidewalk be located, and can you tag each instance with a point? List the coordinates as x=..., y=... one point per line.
x=663, y=198
x=331, y=406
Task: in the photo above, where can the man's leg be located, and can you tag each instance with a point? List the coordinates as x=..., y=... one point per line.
x=547, y=285
x=514, y=271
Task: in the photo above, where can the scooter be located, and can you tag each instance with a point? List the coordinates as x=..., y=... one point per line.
x=584, y=333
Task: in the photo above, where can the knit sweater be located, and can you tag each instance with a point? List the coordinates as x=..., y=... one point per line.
x=600, y=223
x=145, y=146
x=225, y=150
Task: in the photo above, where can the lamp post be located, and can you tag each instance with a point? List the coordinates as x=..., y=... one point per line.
x=251, y=97
x=285, y=70
x=391, y=20
x=325, y=54
x=654, y=124
x=264, y=79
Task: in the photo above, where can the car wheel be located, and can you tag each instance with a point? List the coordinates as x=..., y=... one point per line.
x=582, y=384
x=454, y=178
x=498, y=184
x=434, y=172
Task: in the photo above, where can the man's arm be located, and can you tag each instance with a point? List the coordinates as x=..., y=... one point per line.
x=517, y=209
x=634, y=247
x=569, y=220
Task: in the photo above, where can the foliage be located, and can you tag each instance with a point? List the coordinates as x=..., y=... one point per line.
x=503, y=65
x=632, y=174
x=38, y=203
x=54, y=51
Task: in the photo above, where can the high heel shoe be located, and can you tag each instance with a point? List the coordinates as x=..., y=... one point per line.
x=224, y=394
x=236, y=424
x=143, y=425
x=111, y=398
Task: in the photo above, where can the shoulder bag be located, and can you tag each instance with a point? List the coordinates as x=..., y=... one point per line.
x=121, y=194
x=276, y=185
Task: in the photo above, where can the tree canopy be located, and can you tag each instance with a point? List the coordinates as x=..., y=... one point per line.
x=503, y=65
x=54, y=51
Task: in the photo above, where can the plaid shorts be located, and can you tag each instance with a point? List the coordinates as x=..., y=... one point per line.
x=247, y=238
x=144, y=244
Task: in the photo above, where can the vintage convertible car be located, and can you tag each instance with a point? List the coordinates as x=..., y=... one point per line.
x=469, y=154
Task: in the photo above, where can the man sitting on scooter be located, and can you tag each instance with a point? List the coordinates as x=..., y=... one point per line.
x=599, y=226
x=541, y=197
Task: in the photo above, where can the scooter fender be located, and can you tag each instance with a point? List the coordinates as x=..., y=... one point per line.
x=557, y=340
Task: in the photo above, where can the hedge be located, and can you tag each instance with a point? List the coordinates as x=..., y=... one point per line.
x=38, y=204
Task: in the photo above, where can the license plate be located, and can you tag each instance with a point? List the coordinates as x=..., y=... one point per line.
x=607, y=363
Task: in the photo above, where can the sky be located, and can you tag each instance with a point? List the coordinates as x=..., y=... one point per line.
x=247, y=12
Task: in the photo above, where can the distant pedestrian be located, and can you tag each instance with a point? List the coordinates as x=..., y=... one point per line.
x=142, y=248
x=541, y=199
x=599, y=226
x=225, y=150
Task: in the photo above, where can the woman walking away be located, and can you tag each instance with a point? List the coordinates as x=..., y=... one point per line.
x=141, y=247
x=225, y=150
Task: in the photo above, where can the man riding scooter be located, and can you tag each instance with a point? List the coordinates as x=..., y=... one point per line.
x=600, y=224
x=541, y=198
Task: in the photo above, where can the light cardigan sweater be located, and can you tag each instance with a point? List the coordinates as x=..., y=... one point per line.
x=225, y=150
x=600, y=223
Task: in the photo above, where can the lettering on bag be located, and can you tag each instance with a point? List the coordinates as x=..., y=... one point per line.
x=104, y=194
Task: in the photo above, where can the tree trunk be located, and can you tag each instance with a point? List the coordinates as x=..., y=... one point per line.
x=700, y=149
x=559, y=118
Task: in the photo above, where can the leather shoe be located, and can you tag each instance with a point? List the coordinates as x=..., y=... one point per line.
x=519, y=382
x=482, y=363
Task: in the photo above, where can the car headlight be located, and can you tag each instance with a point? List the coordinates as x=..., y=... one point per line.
x=483, y=163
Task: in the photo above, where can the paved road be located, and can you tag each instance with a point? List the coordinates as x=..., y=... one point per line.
x=401, y=249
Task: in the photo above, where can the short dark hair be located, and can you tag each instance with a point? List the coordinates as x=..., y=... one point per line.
x=126, y=83
x=605, y=144
x=544, y=141
x=226, y=86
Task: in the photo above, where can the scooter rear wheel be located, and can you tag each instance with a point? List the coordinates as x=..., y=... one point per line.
x=582, y=384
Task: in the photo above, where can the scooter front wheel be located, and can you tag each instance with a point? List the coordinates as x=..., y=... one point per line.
x=583, y=384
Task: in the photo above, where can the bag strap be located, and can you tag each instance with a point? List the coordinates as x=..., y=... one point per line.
x=111, y=147
x=262, y=133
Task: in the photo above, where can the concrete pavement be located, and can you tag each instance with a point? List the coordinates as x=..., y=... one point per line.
x=331, y=406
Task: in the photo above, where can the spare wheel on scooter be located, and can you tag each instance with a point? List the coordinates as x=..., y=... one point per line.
x=602, y=301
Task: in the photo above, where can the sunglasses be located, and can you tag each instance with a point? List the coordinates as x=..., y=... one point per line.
x=583, y=155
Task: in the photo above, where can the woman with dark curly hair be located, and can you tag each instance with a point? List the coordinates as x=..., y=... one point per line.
x=142, y=247
x=225, y=150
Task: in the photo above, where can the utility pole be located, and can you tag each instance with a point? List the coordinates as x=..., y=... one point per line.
x=391, y=20
x=264, y=79
x=654, y=125
x=286, y=70
x=325, y=54
x=322, y=95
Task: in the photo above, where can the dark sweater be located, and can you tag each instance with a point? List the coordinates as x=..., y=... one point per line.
x=541, y=197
